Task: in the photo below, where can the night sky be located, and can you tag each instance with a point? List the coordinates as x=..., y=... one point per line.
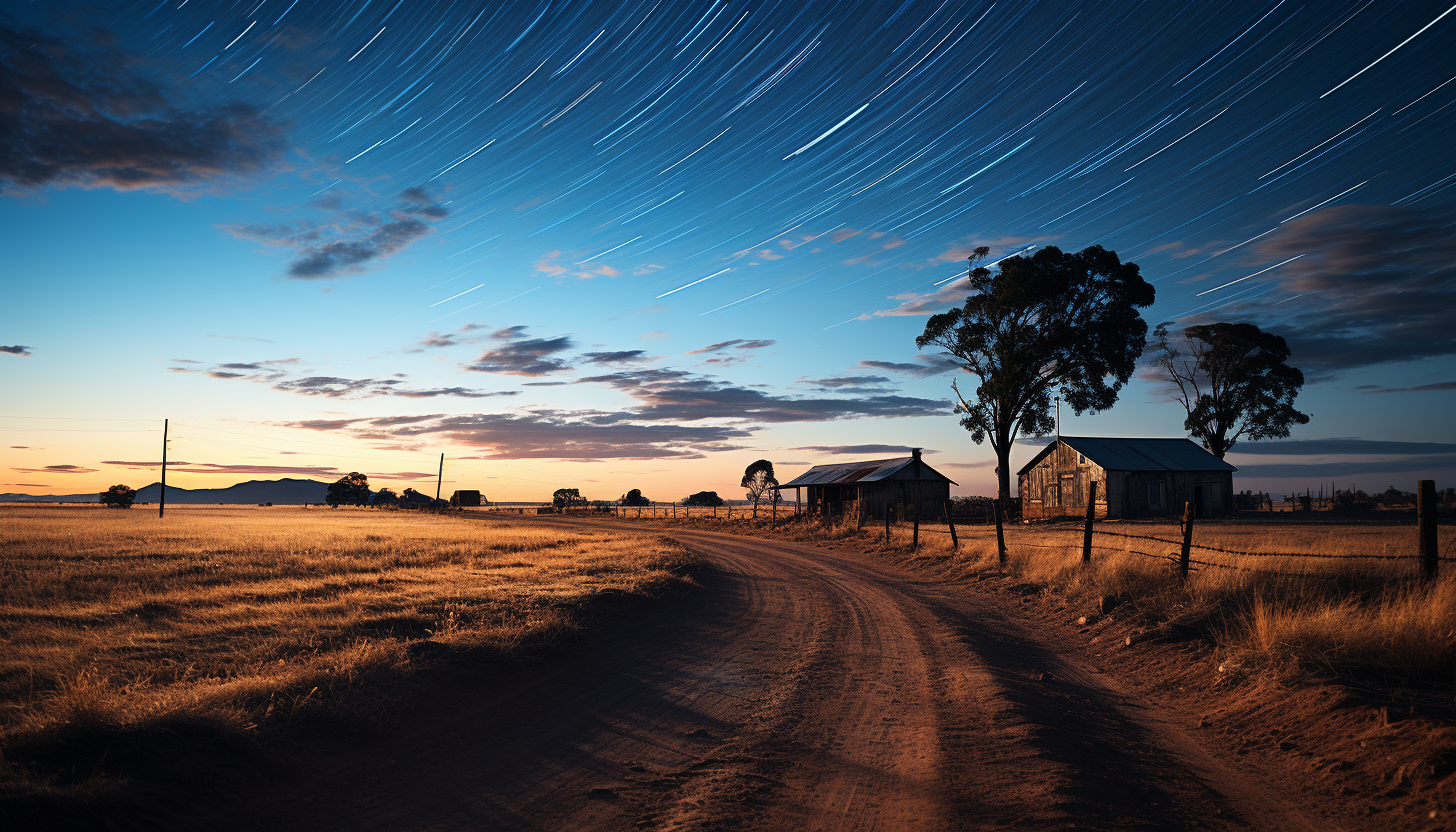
x=617, y=245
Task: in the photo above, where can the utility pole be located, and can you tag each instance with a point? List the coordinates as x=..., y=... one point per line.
x=162, y=500
x=441, y=479
x=1058, y=400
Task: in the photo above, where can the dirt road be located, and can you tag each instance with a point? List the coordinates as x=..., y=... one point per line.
x=799, y=689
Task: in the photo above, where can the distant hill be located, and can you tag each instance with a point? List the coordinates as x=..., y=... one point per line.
x=278, y=492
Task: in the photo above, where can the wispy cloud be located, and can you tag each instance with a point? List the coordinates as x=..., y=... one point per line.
x=350, y=242
x=924, y=366
x=17, y=349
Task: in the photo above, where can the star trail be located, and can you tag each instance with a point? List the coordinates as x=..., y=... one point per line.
x=809, y=172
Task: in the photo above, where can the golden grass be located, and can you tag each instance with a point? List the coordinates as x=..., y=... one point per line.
x=1343, y=614
x=1367, y=616
x=248, y=616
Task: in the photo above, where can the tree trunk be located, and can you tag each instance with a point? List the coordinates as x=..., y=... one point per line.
x=1003, y=473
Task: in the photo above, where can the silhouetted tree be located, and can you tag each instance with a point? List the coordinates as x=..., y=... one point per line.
x=118, y=496
x=385, y=497
x=1233, y=383
x=759, y=479
x=1044, y=324
x=635, y=498
x=565, y=498
x=706, y=499
x=351, y=490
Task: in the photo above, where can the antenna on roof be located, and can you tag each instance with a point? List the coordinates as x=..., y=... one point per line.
x=1058, y=400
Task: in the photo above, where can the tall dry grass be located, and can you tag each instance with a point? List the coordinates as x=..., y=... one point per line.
x=238, y=618
x=1347, y=615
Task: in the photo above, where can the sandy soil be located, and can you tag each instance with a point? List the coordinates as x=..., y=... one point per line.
x=801, y=688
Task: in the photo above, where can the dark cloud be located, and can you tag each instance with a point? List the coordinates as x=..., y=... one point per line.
x=848, y=381
x=924, y=366
x=1344, y=447
x=57, y=469
x=548, y=434
x=416, y=201
x=522, y=356
x=617, y=357
x=341, y=256
x=735, y=344
x=350, y=242
x=1439, y=386
x=17, y=349
x=78, y=116
x=674, y=395
x=1373, y=285
x=900, y=450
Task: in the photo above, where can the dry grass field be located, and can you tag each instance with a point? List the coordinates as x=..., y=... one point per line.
x=224, y=621
x=1342, y=611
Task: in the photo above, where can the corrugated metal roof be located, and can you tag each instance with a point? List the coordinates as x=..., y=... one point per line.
x=872, y=470
x=1135, y=454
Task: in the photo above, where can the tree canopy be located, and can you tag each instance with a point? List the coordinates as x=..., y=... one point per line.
x=385, y=497
x=567, y=497
x=1047, y=324
x=352, y=489
x=759, y=480
x=118, y=496
x=707, y=499
x=1232, y=382
x=635, y=498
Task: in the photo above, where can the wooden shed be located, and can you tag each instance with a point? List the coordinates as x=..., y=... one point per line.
x=875, y=487
x=465, y=497
x=1135, y=478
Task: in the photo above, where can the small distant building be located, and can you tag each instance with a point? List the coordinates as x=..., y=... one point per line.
x=875, y=487
x=1135, y=478
x=465, y=499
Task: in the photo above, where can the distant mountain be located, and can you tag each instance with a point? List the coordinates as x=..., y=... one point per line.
x=278, y=492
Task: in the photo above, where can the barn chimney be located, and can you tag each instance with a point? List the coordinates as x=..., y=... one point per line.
x=915, y=455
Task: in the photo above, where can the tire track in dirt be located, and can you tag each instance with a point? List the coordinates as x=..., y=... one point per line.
x=798, y=689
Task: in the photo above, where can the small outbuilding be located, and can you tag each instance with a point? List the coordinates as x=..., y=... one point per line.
x=1135, y=478
x=464, y=498
x=875, y=488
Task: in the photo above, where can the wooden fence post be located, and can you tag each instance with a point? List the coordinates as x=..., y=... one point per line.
x=915, y=534
x=1426, y=528
x=774, y=520
x=1091, y=515
x=1187, y=540
x=950, y=521
x=1000, y=536
x=887, y=525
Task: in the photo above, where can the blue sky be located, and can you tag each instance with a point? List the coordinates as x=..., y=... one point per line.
x=618, y=245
